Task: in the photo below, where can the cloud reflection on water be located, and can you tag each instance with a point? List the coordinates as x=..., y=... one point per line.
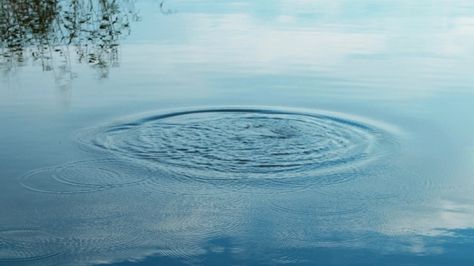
x=310, y=50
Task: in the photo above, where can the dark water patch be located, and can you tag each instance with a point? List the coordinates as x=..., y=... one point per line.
x=83, y=176
x=27, y=245
x=241, y=147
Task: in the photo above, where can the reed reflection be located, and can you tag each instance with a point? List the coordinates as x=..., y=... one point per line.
x=52, y=33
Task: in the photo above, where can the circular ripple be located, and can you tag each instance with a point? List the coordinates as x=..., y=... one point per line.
x=245, y=145
x=83, y=176
x=17, y=245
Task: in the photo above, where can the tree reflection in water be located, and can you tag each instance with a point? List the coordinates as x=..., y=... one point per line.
x=48, y=32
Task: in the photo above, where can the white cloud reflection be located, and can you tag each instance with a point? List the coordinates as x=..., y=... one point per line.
x=388, y=49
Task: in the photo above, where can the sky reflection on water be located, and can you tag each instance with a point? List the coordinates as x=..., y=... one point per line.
x=404, y=65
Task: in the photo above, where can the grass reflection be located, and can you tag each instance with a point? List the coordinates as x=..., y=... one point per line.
x=49, y=32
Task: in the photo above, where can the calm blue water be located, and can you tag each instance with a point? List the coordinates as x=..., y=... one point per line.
x=196, y=132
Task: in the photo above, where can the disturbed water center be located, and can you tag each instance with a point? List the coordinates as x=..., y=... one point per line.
x=242, y=144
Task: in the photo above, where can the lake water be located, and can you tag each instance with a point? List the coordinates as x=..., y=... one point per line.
x=198, y=132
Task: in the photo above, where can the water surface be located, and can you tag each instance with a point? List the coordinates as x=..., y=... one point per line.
x=236, y=133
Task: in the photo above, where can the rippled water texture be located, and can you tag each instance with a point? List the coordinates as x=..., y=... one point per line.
x=22, y=245
x=207, y=132
x=248, y=146
x=83, y=176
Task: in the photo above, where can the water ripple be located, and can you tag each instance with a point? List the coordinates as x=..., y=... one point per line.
x=24, y=244
x=83, y=176
x=245, y=146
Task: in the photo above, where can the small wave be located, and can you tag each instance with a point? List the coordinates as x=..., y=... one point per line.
x=243, y=146
x=24, y=244
x=83, y=176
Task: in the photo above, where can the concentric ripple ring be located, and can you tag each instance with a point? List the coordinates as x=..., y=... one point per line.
x=245, y=144
x=23, y=245
x=83, y=177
